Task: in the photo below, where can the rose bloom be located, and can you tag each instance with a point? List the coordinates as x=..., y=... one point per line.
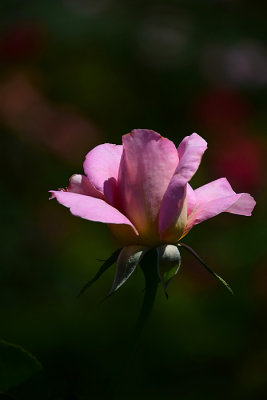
x=141, y=190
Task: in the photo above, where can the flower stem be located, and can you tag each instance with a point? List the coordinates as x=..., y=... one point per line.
x=149, y=267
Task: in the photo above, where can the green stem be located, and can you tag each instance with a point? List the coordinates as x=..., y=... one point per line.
x=149, y=267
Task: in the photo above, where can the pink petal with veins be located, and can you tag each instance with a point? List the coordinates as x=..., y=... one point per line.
x=101, y=166
x=172, y=216
x=217, y=197
x=147, y=165
x=91, y=208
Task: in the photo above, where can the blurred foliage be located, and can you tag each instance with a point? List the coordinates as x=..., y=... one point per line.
x=16, y=365
x=76, y=73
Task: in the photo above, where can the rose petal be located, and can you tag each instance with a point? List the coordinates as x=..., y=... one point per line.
x=173, y=205
x=244, y=205
x=91, y=208
x=217, y=197
x=80, y=184
x=125, y=234
x=147, y=165
x=190, y=199
x=101, y=166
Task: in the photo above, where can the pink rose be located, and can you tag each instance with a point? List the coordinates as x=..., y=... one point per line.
x=141, y=189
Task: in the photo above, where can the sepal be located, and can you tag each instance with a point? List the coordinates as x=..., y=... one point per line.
x=107, y=264
x=169, y=262
x=129, y=258
x=194, y=253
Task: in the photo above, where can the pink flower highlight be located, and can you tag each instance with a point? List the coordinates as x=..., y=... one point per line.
x=141, y=189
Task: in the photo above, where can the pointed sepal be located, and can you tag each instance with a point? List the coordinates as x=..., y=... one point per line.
x=129, y=258
x=107, y=264
x=169, y=262
x=194, y=253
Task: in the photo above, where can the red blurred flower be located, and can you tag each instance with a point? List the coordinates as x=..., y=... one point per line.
x=238, y=153
x=220, y=109
x=60, y=128
x=21, y=41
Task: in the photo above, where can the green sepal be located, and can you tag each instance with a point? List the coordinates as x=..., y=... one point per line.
x=169, y=262
x=128, y=259
x=188, y=248
x=107, y=264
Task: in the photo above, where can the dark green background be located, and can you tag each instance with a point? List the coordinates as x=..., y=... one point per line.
x=75, y=74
